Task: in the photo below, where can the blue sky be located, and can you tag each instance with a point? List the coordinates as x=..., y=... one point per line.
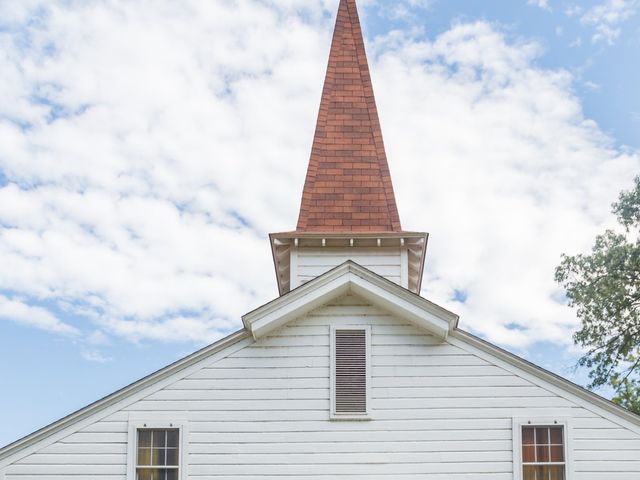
x=146, y=153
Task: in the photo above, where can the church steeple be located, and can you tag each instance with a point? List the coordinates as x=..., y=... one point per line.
x=348, y=209
x=348, y=186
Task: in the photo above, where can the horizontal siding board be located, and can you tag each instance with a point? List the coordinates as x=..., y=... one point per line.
x=313, y=262
x=328, y=255
x=351, y=469
x=350, y=436
x=391, y=270
x=629, y=466
x=353, y=458
x=379, y=425
x=351, y=447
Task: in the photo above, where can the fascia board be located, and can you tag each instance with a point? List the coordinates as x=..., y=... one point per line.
x=277, y=305
x=411, y=298
x=262, y=325
x=350, y=277
x=397, y=305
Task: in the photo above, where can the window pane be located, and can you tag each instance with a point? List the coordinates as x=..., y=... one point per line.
x=172, y=456
x=556, y=435
x=173, y=474
x=144, y=438
x=146, y=474
x=555, y=472
x=528, y=454
x=157, y=474
x=527, y=435
x=529, y=472
x=557, y=454
x=158, y=438
x=144, y=456
x=542, y=436
x=158, y=457
x=542, y=454
x=172, y=438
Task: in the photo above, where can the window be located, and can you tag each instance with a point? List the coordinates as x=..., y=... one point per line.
x=158, y=452
x=350, y=372
x=157, y=447
x=543, y=453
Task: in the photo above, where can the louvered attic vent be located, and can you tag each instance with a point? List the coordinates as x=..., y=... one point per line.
x=350, y=374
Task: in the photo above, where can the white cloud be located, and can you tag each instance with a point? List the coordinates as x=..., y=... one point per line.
x=95, y=356
x=405, y=10
x=591, y=85
x=574, y=10
x=544, y=4
x=506, y=162
x=576, y=43
x=182, y=138
x=22, y=313
x=606, y=18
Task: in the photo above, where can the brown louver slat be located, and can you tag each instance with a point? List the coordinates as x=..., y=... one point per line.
x=351, y=371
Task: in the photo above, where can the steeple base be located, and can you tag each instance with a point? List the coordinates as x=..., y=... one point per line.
x=300, y=257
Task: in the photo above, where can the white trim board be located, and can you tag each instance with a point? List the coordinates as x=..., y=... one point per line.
x=350, y=277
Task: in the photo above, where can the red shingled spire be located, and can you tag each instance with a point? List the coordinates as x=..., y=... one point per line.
x=348, y=186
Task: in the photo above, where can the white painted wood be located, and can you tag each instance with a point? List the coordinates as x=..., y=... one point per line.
x=313, y=262
x=293, y=268
x=440, y=410
x=350, y=278
x=404, y=267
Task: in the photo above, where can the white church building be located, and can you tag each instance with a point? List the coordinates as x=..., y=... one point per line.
x=349, y=373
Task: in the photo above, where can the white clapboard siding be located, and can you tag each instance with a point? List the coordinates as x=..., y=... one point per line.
x=439, y=411
x=313, y=262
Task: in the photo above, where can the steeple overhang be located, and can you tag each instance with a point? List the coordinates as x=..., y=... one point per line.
x=286, y=248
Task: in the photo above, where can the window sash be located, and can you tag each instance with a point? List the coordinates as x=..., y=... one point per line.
x=546, y=448
x=158, y=440
x=158, y=467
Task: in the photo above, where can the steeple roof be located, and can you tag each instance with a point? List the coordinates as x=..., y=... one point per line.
x=348, y=185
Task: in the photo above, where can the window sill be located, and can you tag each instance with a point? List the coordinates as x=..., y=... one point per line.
x=350, y=417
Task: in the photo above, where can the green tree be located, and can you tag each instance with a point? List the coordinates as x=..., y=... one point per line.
x=604, y=287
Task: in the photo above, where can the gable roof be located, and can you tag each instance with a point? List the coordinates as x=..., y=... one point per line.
x=348, y=185
x=356, y=279
x=124, y=393
x=266, y=316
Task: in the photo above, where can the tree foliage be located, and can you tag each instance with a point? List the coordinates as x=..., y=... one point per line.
x=604, y=287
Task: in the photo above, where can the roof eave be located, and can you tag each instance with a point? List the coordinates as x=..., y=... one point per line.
x=103, y=403
x=547, y=376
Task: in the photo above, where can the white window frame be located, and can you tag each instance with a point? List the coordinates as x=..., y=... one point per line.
x=350, y=416
x=518, y=423
x=143, y=421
